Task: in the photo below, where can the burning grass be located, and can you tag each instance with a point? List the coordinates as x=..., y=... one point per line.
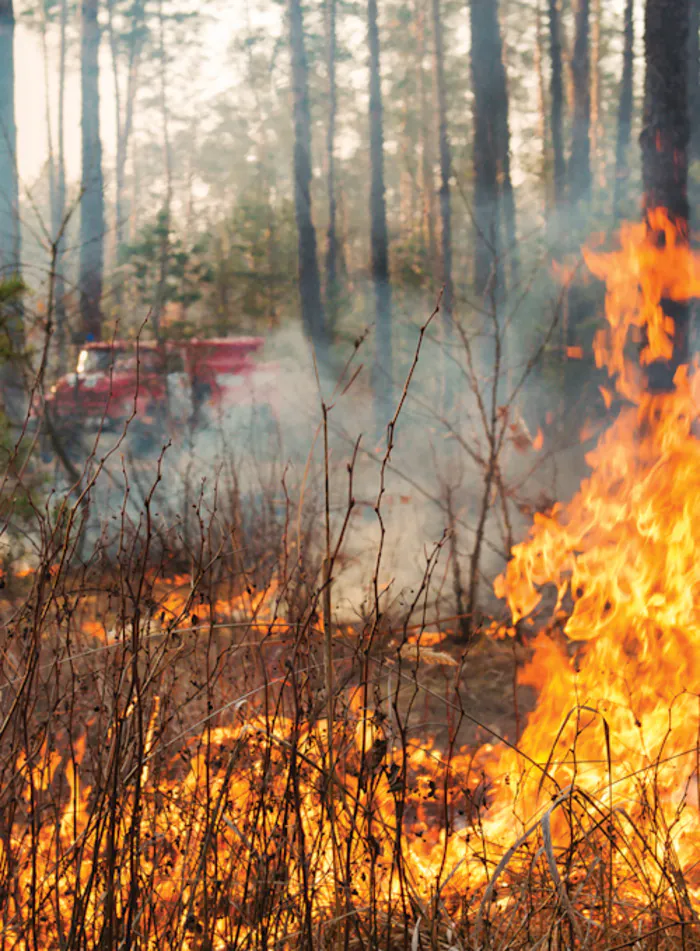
x=213, y=762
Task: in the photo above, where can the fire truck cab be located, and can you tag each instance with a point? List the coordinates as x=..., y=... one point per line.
x=120, y=379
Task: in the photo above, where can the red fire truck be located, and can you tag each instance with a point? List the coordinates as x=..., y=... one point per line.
x=183, y=381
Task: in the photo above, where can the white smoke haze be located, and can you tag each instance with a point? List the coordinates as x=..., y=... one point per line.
x=269, y=460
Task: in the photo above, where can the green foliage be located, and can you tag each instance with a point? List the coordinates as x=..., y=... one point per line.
x=11, y=291
x=17, y=498
x=258, y=260
x=160, y=265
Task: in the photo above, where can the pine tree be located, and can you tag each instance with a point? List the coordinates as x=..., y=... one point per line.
x=664, y=140
x=624, y=116
x=92, y=203
x=379, y=235
x=332, y=234
x=666, y=132
x=445, y=171
x=557, y=102
x=58, y=210
x=494, y=205
x=694, y=79
x=312, y=311
x=124, y=106
x=580, y=160
x=9, y=219
x=9, y=184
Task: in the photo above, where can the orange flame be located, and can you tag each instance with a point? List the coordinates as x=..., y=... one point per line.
x=622, y=558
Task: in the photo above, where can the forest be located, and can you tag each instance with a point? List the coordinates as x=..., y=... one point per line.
x=349, y=507
x=426, y=143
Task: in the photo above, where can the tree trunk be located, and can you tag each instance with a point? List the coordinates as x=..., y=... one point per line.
x=596, y=129
x=9, y=183
x=504, y=177
x=332, y=288
x=486, y=66
x=557, y=102
x=580, y=161
x=57, y=178
x=92, y=203
x=445, y=174
x=665, y=135
x=9, y=213
x=580, y=158
x=624, y=115
x=664, y=141
x=135, y=45
x=124, y=116
x=47, y=116
x=165, y=216
x=427, y=166
x=59, y=237
x=312, y=312
x=119, y=170
x=542, y=128
x=694, y=79
x=379, y=237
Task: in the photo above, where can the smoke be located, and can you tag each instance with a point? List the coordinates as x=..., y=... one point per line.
x=268, y=452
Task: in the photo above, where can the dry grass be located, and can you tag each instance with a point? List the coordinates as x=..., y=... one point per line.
x=164, y=767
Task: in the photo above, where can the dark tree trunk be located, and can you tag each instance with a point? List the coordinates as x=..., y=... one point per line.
x=580, y=161
x=9, y=184
x=497, y=85
x=504, y=176
x=312, y=312
x=9, y=213
x=165, y=217
x=92, y=202
x=124, y=116
x=427, y=126
x=596, y=130
x=542, y=127
x=491, y=160
x=664, y=140
x=694, y=79
x=557, y=102
x=332, y=288
x=57, y=178
x=379, y=237
x=51, y=158
x=624, y=116
x=665, y=135
x=445, y=173
x=60, y=209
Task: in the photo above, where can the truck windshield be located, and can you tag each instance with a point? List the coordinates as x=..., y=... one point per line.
x=94, y=361
x=102, y=361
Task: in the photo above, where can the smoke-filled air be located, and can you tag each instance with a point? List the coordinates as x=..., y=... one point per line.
x=349, y=475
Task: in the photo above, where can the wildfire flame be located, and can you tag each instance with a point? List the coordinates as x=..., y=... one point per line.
x=620, y=719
